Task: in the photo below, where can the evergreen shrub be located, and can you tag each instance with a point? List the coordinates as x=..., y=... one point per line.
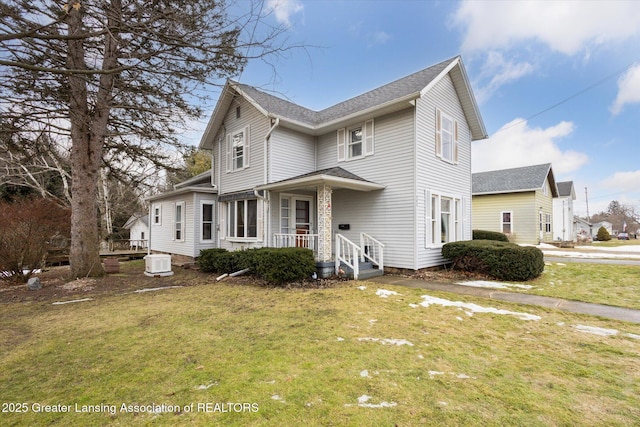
x=489, y=235
x=501, y=260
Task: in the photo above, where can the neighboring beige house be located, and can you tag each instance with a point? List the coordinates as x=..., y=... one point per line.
x=517, y=202
x=384, y=176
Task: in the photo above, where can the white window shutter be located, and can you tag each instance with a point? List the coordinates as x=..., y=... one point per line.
x=466, y=220
x=342, y=146
x=438, y=137
x=455, y=141
x=229, y=154
x=247, y=148
x=427, y=218
x=368, y=138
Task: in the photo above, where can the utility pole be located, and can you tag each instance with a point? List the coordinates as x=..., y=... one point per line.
x=586, y=199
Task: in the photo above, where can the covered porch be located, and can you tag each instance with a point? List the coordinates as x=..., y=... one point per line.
x=301, y=216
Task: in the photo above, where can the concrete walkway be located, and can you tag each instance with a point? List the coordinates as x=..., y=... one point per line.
x=610, y=312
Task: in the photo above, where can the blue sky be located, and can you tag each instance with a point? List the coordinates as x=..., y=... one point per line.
x=556, y=82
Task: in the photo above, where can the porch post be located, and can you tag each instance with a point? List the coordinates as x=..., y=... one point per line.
x=324, y=223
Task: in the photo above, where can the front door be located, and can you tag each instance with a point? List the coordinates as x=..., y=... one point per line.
x=303, y=221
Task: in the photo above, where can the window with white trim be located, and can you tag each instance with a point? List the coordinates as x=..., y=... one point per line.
x=238, y=150
x=443, y=219
x=506, y=222
x=243, y=219
x=157, y=215
x=178, y=222
x=547, y=223
x=446, y=137
x=206, y=209
x=355, y=142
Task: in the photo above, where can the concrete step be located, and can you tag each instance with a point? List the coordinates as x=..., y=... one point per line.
x=366, y=270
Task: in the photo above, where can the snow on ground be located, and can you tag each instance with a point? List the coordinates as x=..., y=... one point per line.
x=471, y=308
x=385, y=341
x=364, y=399
x=596, y=331
x=72, y=301
x=383, y=293
x=593, y=251
x=494, y=285
x=156, y=289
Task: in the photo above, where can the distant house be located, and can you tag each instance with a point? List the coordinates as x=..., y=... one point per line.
x=138, y=226
x=388, y=171
x=582, y=229
x=563, y=228
x=182, y=220
x=517, y=202
x=596, y=226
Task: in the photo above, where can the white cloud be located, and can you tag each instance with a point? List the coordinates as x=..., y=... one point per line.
x=623, y=181
x=496, y=72
x=516, y=144
x=564, y=26
x=284, y=9
x=628, y=89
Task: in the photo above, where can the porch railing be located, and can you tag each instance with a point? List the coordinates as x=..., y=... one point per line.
x=284, y=240
x=347, y=253
x=372, y=249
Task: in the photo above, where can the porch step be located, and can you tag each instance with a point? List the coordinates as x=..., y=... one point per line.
x=366, y=271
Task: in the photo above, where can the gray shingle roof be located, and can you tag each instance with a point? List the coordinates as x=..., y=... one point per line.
x=337, y=172
x=411, y=84
x=528, y=178
x=564, y=188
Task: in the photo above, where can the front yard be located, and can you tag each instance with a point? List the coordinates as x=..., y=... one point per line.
x=349, y=354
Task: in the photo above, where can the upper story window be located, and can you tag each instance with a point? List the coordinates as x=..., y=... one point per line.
x=355, y=142
x=238, y=150
x=446, y=137
x=237, y=112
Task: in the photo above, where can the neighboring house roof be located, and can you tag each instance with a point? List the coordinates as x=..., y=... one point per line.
x=388, y=98
x=200, y=184
x=336, y=177
x=143, y=216
x=581, y=220
x=515, y=180
x=566, y=189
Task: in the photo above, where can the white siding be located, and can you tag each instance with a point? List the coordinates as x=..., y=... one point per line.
x=258, y=126
x=388, y=214
x=291, y=154
x=435, y=174
x=199, y=244
x=563, y=219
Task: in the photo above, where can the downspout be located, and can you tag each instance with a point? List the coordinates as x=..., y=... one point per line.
x=267, y=156
x=266, y=228
x=150, y=227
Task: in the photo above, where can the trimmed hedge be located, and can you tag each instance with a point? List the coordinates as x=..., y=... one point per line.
x=502, y=260
x=275, y=265
x=489, y=235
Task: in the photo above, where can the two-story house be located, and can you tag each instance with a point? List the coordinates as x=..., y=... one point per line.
x=563, y=225
x=387, y=172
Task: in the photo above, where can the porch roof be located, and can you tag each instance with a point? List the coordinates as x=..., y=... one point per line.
x=335, y=177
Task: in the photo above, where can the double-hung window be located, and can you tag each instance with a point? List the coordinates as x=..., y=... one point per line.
x=355, y=142
x=443, y=219
x=157, y=215
x=238, y=150
x=506, y=222
x=178, y=229
x=446, y=137
x=207, y=221
x=547, y=223
x=242, y=218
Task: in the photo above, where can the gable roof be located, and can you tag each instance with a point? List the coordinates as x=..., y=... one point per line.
x=515, y=180
x=142, y=216
x=336, y=177
x=565, y=189
x=387, y=98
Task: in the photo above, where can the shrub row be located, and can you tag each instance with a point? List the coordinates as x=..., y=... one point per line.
x=502, y=260
x=489, y=235
x=275, y=265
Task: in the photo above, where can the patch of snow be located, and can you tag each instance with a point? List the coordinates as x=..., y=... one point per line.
x=420, y=356
x=206, y=387
x=463, y=376
x=561, y=263
x=155, y=289
x=494, y=285
x=474, y=308
x=386, y=341
x=362, y=288
x=278, y=398
x=442, y=403
x=383, y=293
x=372, y=321
x=364, y=373
x=596, y=331
x=634, y=336
x=434, y=373
x=362, y=402
x=72, y=301
x=459, y=318
x=339, y=339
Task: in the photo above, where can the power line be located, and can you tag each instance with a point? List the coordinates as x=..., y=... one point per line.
x=569, y=98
